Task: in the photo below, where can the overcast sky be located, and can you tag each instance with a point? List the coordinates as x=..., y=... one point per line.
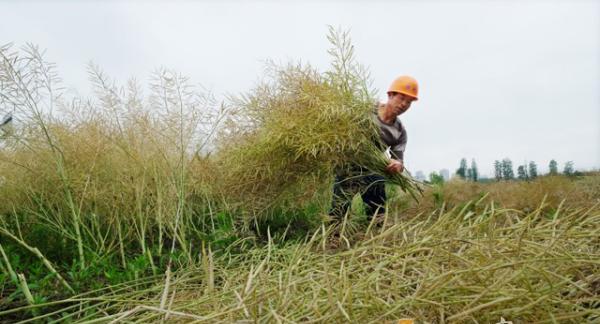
x=516, y=79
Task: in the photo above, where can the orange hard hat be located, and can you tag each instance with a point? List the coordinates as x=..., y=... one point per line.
x=405, y=85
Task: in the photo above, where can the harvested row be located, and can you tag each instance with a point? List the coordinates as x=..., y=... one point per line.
x=475, y=263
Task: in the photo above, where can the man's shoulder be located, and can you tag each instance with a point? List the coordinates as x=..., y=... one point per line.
x=399, y=123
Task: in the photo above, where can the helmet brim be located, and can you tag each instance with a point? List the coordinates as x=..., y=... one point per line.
x=404, y=93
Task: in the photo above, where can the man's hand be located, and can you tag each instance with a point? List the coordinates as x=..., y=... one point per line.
x=395, y=166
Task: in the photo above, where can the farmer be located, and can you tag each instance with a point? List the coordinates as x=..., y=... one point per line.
x=402, y=92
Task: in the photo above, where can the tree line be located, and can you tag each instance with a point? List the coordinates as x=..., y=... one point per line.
x=503, y=170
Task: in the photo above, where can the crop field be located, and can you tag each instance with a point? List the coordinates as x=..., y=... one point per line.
x=156, y=203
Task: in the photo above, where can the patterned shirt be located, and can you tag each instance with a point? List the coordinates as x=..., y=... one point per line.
x=394, y=136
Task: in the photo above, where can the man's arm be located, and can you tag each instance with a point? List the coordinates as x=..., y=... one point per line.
x=397, y=151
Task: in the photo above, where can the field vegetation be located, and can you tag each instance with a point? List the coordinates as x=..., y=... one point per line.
x=173, y=207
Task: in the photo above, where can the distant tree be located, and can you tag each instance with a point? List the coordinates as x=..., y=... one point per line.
x=419, y=175
x=474, y=171
x=435, y=178
x=462, y=170
x=498, y=170
x=507, y=169
x=522, y=172
x=532, y=170
x=569, y=169
x=553, y=166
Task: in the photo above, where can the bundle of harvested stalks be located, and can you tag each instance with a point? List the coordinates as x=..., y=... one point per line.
x=300, y=126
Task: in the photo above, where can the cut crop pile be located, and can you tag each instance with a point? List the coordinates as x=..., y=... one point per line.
x=479, y=263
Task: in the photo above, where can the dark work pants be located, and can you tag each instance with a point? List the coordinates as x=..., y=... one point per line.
x=371, y=188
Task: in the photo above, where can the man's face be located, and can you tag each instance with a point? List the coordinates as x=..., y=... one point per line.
x=399, y=102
